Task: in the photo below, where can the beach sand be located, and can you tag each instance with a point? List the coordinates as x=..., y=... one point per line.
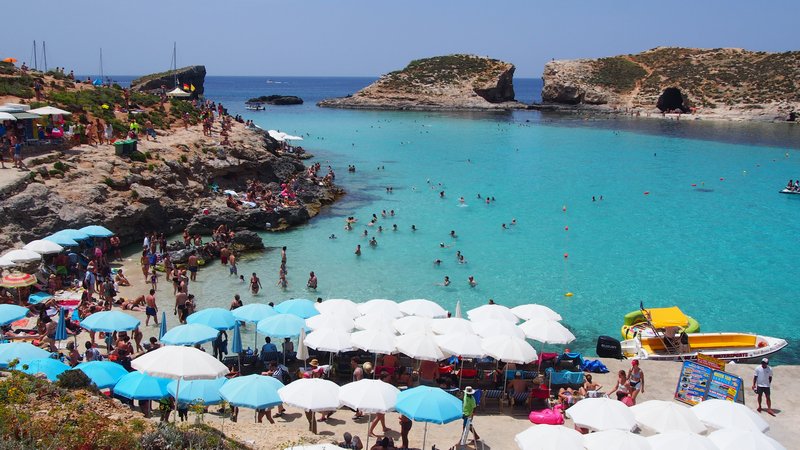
x=497, y=430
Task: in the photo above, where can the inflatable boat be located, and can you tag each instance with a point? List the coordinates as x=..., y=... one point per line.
x=635, y=323
x=738, y=347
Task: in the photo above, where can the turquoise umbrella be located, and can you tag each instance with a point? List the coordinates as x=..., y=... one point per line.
x=253, y=313
x=217, y=318
x=193, y=333
x=110, y=321
x=252, y=391
x=22, y=351
x=11, y=313
x=236, y=344
x=97, y=231
x=104, y=374
x=62, y=240
x=198, y=391
x=162, y=327
x=75, y=235
x=139, y=386
x=50, y=367
x=428, y=404
x=299, y=307
x=282, y=325
x=61, y=328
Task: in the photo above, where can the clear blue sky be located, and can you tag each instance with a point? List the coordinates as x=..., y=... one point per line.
x=371, y=37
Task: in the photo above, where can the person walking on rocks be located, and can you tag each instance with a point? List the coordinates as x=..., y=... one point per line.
x=761, y=384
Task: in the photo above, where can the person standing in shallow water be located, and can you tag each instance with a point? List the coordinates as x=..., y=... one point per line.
x=312, y=281
x=255, y=284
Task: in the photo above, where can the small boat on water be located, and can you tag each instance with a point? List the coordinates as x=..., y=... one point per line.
x=255, y=106
x=636, y=322
x=789, y=191
x=738, y=347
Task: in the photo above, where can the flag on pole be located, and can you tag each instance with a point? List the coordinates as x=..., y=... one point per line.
x=191, y=88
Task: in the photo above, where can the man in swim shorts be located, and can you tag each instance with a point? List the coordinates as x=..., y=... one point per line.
x=151, y=309
x=192, y=264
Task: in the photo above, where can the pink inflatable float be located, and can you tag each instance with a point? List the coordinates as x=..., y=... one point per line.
x=547, y=416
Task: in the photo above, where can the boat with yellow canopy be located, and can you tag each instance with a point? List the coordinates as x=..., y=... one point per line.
x=651, y=321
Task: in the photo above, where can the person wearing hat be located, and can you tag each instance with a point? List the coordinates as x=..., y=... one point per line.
x=636, y=380
x=468, y=411
x=761, y=384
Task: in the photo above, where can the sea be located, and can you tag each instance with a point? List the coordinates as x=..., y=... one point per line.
x=619, y=212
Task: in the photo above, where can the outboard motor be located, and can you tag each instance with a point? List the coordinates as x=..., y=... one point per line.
x=608, y=347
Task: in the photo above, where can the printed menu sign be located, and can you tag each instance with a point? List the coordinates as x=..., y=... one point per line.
x=698, y=382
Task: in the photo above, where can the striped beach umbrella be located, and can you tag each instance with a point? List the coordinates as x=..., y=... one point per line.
x=18, y=280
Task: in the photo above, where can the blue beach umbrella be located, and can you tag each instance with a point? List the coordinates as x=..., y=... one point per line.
x=217, y=318
x=299, y=307
x=428, y=404
x=139, y=386
x=194, y=391
x=236, y=343
x=11, y=313
x=193, y=333
x=282, y=326
x=50, y=367
x=39, y=297
x=252, y=391
x=104, y=374
x=75, y=235
x=253, y=313
x=22, y=351
x=97, y=231
x=110, y=321
x=61, y=328
x=162, y=327
x=62, y=240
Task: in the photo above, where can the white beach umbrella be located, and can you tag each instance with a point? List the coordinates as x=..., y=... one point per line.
x=663, y=416
x=671, y=440
x=381, y=306
x=547, y=437
x=458, y=314
x=413, y=324
x=311, y=394
x=615, y=440
x=547, y=332
x=719, y=414
x=43, y=247
x=340, y=306
x=335, y=321
x=22, y=256
x=178, y=362
x=509, y=349
x=6, y=116
x=375, y=321
x=422, y=308
x=5, y=262
x=601, y=414
x=491, y=312
x=420, y=346
x=497, y=327
x=329, y=340
x=49, y=111
x=465, y=345
x=369, y=396
x=743, y=439
x=534, y=311
x=375, y=341
x=302, y=349
x=452, y=325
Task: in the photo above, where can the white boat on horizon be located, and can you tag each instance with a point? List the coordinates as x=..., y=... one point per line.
x=737, y=347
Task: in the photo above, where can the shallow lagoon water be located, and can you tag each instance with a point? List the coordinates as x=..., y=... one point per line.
x=724, y=250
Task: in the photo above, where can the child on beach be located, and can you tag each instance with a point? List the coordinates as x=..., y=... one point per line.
x=154, y=278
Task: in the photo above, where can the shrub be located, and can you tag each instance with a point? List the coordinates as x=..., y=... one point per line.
x=184, y=158
x=108, y=182
x=60, y=166
x=138, y=156
x=74, y=379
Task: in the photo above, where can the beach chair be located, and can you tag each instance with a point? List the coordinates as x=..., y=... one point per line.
x=492, y=395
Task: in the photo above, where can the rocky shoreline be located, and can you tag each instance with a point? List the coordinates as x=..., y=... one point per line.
x=179, y=185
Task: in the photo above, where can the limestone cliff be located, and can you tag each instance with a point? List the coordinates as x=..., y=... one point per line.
x=454, y=82
x=723, y=82
x=191, y=76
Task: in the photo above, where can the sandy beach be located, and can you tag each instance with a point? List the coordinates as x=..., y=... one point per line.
x=496, y=429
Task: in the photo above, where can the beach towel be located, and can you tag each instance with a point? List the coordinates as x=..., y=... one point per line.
x=594, y=366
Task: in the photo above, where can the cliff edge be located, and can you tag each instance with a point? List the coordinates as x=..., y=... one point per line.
x=731, y=83
x=453, y=82
x=189, y=76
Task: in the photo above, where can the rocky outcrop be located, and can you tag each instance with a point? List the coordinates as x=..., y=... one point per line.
x=166, y=193
x=454, y=82
x=279, y=100
x=730, y=83
x=191, y=76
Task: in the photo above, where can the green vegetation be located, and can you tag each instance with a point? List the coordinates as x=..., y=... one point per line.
x=7, y=68
x=138, y=156
x=617, y=73
x=19, y=86
x=155, y=76
x=422, y=73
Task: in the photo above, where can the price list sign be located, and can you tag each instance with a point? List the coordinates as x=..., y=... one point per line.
x=724, y=386
x=698, y=382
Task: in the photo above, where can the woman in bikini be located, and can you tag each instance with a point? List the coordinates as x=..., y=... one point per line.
x=636, y=380
x=255, y=284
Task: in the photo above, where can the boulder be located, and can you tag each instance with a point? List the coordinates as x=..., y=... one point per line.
x=247, y=240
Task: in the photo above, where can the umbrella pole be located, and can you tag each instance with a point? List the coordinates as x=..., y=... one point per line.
x=369, y=422
x=460, y=373
x=177, y=396
x=505, y=382
x=375, y=367
x=425, y=436
x=539, y=366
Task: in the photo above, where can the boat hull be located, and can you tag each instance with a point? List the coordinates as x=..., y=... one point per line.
x=737, y=347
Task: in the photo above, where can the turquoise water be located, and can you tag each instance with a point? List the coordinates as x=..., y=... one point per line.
x=723, y=250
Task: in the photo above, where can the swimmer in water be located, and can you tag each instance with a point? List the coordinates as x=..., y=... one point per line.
x=413, y=227
x=461, y=200
x=380, y=229
x=491, y=301
x=461, y=259
x=373, y=242
x=391, y=212
x=441, y=245
x=504, y=227
x=383, y=213
x=332, y=236
x=394, y=227
x=365, y=233
x=441, y=194
x=446, y=281
x=453, y=234
x=513, y=221
x=358, y=250
x=472, y=282
x=437, y=262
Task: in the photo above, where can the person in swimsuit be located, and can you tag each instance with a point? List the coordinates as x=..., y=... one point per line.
x=622, y=388
x=636, y=380
x=151, y=310
x=255, y=284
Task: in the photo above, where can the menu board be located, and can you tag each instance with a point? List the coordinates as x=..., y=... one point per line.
x=698, y=382
x=724, y=386
x=693, y=383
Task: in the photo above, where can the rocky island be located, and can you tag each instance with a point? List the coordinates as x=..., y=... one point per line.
x=278, y=100
x=714, y=83
x=454, y=82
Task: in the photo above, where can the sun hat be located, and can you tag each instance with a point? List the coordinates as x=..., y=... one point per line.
x=313, y=363
x=468, y=390
x=765, y=360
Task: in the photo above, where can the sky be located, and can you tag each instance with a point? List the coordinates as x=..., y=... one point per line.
x=372, y=37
